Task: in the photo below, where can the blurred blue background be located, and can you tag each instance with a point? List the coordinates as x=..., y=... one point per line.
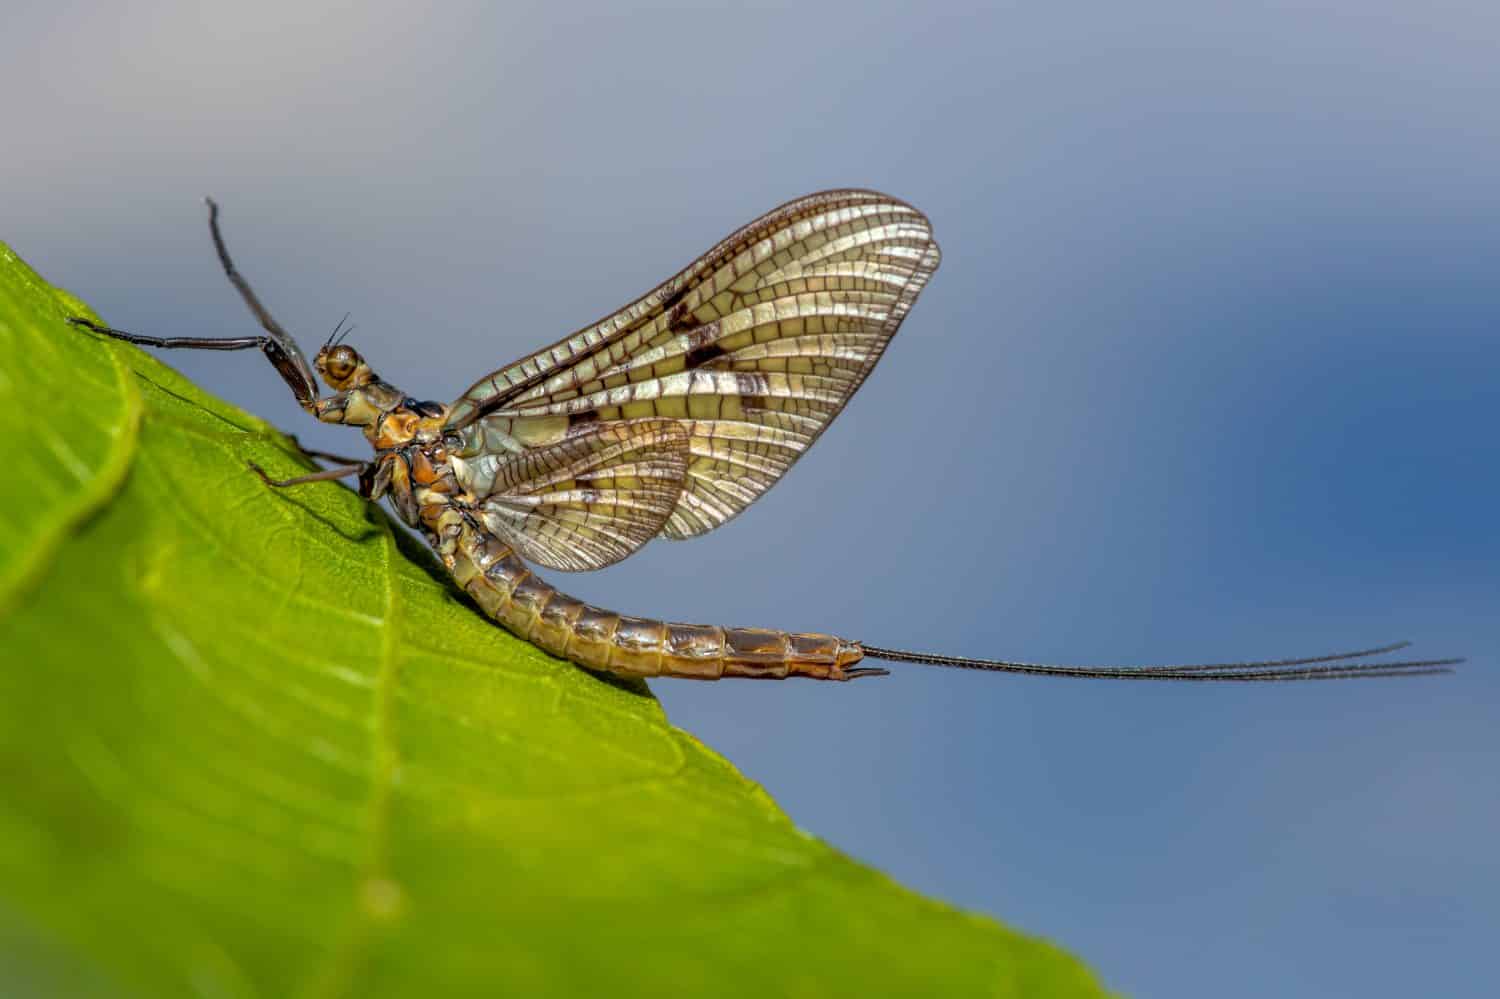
x=1209, y=371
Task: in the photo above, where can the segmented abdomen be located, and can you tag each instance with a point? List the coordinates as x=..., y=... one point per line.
x=491, y=573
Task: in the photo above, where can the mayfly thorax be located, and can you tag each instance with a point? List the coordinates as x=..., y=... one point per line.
x=666, y=418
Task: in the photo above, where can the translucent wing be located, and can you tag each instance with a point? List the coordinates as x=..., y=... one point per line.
x=589, y=500
x=754, y=347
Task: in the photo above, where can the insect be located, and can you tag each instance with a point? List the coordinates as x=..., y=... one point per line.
x=667, y=418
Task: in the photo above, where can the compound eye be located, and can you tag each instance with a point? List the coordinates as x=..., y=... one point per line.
x=340, y=364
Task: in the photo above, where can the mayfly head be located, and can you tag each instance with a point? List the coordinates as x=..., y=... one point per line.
x=342, y=367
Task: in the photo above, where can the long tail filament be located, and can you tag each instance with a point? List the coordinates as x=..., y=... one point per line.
x=1336, y=666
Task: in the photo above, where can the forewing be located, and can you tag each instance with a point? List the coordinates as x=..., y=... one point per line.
x=755, y=347
x=589, y=500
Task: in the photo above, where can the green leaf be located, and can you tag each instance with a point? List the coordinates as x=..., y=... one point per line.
x=252, y=744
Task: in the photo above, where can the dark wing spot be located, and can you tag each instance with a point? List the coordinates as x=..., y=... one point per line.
x=670, y=298
x=702, y=345
x=702, y=354
x=681, y=318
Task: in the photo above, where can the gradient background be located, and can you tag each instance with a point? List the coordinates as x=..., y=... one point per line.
x=1210, y=370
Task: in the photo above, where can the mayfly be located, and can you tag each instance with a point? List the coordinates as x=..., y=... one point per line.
x=666, y=418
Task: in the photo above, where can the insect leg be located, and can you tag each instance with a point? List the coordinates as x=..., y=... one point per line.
x=324, y=455
x=266, y=345
x=173, y=342
x=342, y=472
x=279, y=347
